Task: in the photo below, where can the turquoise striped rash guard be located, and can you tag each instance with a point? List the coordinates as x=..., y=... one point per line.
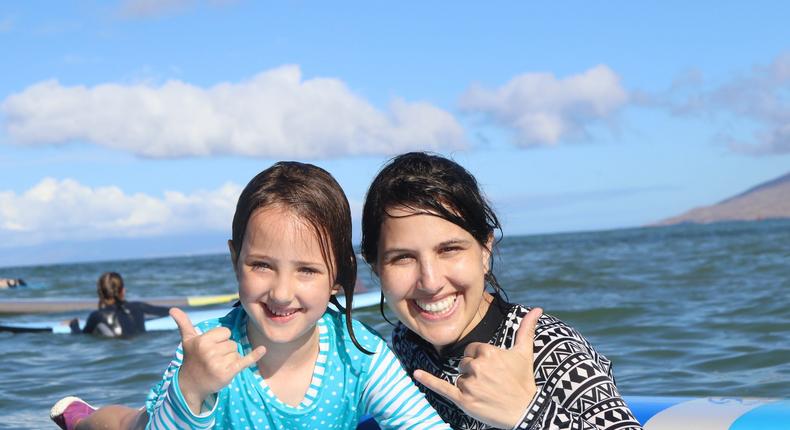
x=346, y=385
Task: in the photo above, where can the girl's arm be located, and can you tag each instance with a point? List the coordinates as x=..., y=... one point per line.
x=391, y=397
x=92, y=322
x=206, y=362
x=148, y=309
x=166, y=406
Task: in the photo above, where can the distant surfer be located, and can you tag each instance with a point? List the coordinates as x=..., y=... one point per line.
x=116, y=317
x=12, y=283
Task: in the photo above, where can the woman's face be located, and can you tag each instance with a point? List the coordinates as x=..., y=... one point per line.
x=432, y=275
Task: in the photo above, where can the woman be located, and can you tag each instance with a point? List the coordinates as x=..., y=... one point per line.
x=116, y=317
x=428, y=234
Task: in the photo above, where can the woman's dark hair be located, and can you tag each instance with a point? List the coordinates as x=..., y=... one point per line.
x=109, y=288
x=428, y=183
x=311, y=193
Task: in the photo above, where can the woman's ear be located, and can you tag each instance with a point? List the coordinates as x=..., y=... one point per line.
x=487, y=250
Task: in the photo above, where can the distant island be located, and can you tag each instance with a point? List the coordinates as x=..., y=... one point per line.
x=769, y=200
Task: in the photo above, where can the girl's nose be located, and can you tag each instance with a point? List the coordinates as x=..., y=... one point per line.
x=282, y=291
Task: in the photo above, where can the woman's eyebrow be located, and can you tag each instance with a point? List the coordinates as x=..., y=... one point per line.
x=453, y=242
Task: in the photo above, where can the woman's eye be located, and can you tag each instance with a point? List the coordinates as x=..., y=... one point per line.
x=450, y=249
x=401, y=259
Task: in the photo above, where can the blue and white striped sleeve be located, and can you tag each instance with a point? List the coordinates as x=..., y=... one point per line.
x=167, y=408
x=391, y=397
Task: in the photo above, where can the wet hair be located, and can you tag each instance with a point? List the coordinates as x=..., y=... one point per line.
x=109, y=288
x=313, y=195
x=428, y=183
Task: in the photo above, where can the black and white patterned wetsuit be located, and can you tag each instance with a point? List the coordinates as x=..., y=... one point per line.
x=576, y=388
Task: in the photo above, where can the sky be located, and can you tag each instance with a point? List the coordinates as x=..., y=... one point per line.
x=128, y=128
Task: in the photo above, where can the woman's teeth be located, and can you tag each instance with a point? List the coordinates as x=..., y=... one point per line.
x=438, y=306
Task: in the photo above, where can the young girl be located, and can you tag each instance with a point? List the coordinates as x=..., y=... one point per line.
x=116, y=317
x=282, y=360
x=428, y=233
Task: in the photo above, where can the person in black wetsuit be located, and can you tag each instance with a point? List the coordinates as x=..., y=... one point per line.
x=116, y=317
x=12, y=283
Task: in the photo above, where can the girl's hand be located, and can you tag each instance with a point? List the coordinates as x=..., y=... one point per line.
x=211, y=360
x=495, y=385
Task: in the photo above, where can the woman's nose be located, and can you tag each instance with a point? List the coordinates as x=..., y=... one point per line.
x=431, y=278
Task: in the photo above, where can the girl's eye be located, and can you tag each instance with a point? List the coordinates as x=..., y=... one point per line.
x=450, y=249
x=260, y=265
x=309, y=271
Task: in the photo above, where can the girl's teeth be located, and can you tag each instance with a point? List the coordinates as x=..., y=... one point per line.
x=282, y=313
x=437, y=307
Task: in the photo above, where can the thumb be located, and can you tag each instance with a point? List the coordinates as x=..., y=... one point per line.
x=185, y=326
x=526, y=331
x=440, y=386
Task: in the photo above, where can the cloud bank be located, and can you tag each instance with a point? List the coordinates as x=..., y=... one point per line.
x=55, y=210
x=545, y=110
x=275, y=114
x=760, y=98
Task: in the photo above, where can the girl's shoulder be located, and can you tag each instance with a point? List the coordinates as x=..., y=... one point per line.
x=232, y=320
x=366, y=336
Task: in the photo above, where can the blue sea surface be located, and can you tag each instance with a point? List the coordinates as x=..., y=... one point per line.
x=690, y=310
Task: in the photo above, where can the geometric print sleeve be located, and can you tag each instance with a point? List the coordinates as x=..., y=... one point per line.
x=576, y=388
x=391, y=397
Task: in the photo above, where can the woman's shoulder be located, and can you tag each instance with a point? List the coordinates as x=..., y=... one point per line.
x=554, y=336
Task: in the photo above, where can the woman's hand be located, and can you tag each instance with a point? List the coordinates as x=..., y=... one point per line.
x=495, y=385
x=211, y=360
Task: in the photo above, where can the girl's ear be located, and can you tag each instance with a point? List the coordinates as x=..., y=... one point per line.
x=234, y=259
x=335, y=289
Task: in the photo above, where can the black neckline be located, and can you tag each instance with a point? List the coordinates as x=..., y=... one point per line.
x=484, y=332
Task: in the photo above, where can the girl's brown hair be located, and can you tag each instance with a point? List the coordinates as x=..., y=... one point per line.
x=109, y=288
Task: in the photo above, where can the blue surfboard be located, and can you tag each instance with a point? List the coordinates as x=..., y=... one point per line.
x=361, y=300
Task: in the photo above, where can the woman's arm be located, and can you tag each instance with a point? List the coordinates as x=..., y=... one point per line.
x=576, y=387
x=148, y=309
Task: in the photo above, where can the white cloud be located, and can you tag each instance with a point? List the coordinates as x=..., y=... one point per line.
x=543, y=110
x=275, y=114
x=67, y=210
x=759, y=99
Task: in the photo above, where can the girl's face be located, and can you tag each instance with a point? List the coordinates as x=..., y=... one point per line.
x=432, y=275
x=284, y=283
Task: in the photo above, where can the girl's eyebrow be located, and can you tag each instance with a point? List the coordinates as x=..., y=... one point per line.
x=295, y=262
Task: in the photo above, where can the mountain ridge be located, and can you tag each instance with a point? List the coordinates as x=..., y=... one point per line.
x=767, y=200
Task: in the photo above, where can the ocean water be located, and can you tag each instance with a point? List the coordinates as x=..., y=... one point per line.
x=681, y=311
